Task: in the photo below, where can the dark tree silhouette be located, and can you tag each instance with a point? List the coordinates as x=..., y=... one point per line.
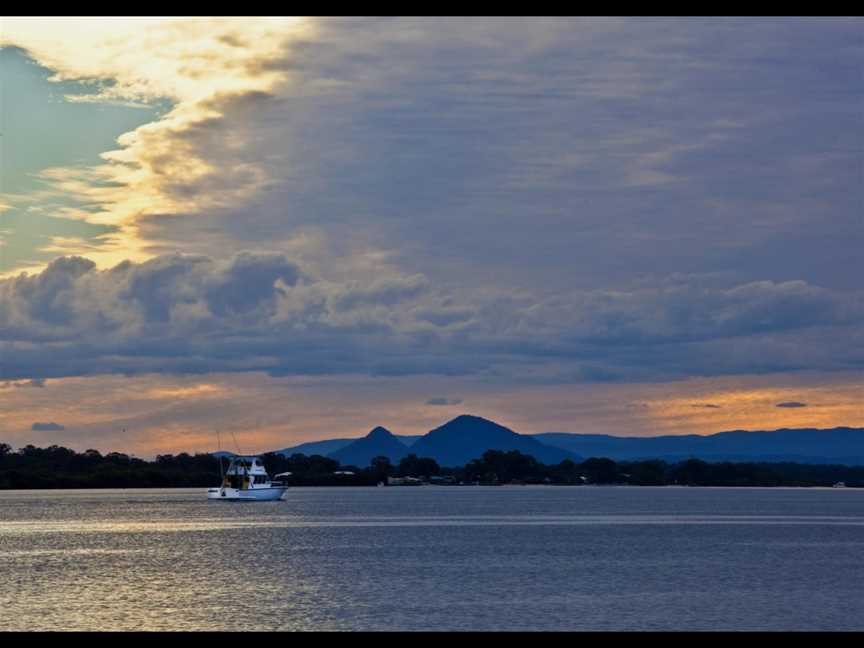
x=414, y=466
x=59, y=467
x=381, y=468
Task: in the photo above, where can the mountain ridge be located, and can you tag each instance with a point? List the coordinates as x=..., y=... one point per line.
x=815, y=445
x=840, y=444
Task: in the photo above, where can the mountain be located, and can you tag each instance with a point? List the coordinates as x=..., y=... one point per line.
x=841, y=445
x=316, y=447
x=379, y=442
x=467, y=437
x=327, y=446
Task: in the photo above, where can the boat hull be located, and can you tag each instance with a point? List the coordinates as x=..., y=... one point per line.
x=248, y=495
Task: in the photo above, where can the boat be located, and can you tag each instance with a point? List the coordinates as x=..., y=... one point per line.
x=839, y=485
x=404, y=481
x=247, y=480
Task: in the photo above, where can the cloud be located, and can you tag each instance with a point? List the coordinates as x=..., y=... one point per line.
x=440, y=400
x=192, y=313
x=197, y=66
x=412, y=219
x=706, y=405
x=791, y=404
x=47, y=427
x=266, y=311
x=152, y=58
x=282, y=126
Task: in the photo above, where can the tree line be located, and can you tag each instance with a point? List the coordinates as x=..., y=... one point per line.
x=59, y=467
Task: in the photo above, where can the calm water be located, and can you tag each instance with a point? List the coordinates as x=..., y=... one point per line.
x=435, y=558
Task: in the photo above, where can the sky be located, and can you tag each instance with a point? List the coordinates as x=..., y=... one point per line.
x=302, y=228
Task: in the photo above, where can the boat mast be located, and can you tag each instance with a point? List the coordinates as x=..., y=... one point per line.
x=242, y=461
x=219, y=456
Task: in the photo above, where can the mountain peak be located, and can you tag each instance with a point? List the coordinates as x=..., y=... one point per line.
x=467, y=437
x=463, y=419
x=379, y=442
x=379, y=433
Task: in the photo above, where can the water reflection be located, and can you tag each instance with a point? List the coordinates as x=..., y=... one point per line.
x=434, y=558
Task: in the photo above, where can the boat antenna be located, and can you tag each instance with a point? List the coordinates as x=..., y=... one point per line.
x=236, y=444
x=219, y=456
x=240, y=453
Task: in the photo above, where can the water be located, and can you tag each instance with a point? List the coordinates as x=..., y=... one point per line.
x=434, y=558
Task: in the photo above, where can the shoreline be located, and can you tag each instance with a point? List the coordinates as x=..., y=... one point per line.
x=484, y=486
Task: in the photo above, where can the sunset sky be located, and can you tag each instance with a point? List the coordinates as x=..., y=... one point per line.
x=296, y=229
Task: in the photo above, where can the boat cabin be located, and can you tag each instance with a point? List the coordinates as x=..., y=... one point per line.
x=246, y=473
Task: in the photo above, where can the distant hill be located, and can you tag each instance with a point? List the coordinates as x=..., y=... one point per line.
x=379, y=442
x=316, y=447
x=327, y=446
x=841, y=445
x=468, y=437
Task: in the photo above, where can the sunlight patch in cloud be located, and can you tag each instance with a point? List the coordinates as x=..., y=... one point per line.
x=198, y=64
x=739, y=407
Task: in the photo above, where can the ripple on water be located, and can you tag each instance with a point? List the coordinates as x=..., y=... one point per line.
x=435, y=559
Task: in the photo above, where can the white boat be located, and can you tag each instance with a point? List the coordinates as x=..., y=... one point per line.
x=246, y=479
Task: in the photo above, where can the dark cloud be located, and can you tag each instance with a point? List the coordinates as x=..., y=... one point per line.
x=47, y=427
x=651, y=160
x=387, y=292
x=441, y=400
x=791, y=404
x=193, y=313
x=267, y=312
x=706, y=405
